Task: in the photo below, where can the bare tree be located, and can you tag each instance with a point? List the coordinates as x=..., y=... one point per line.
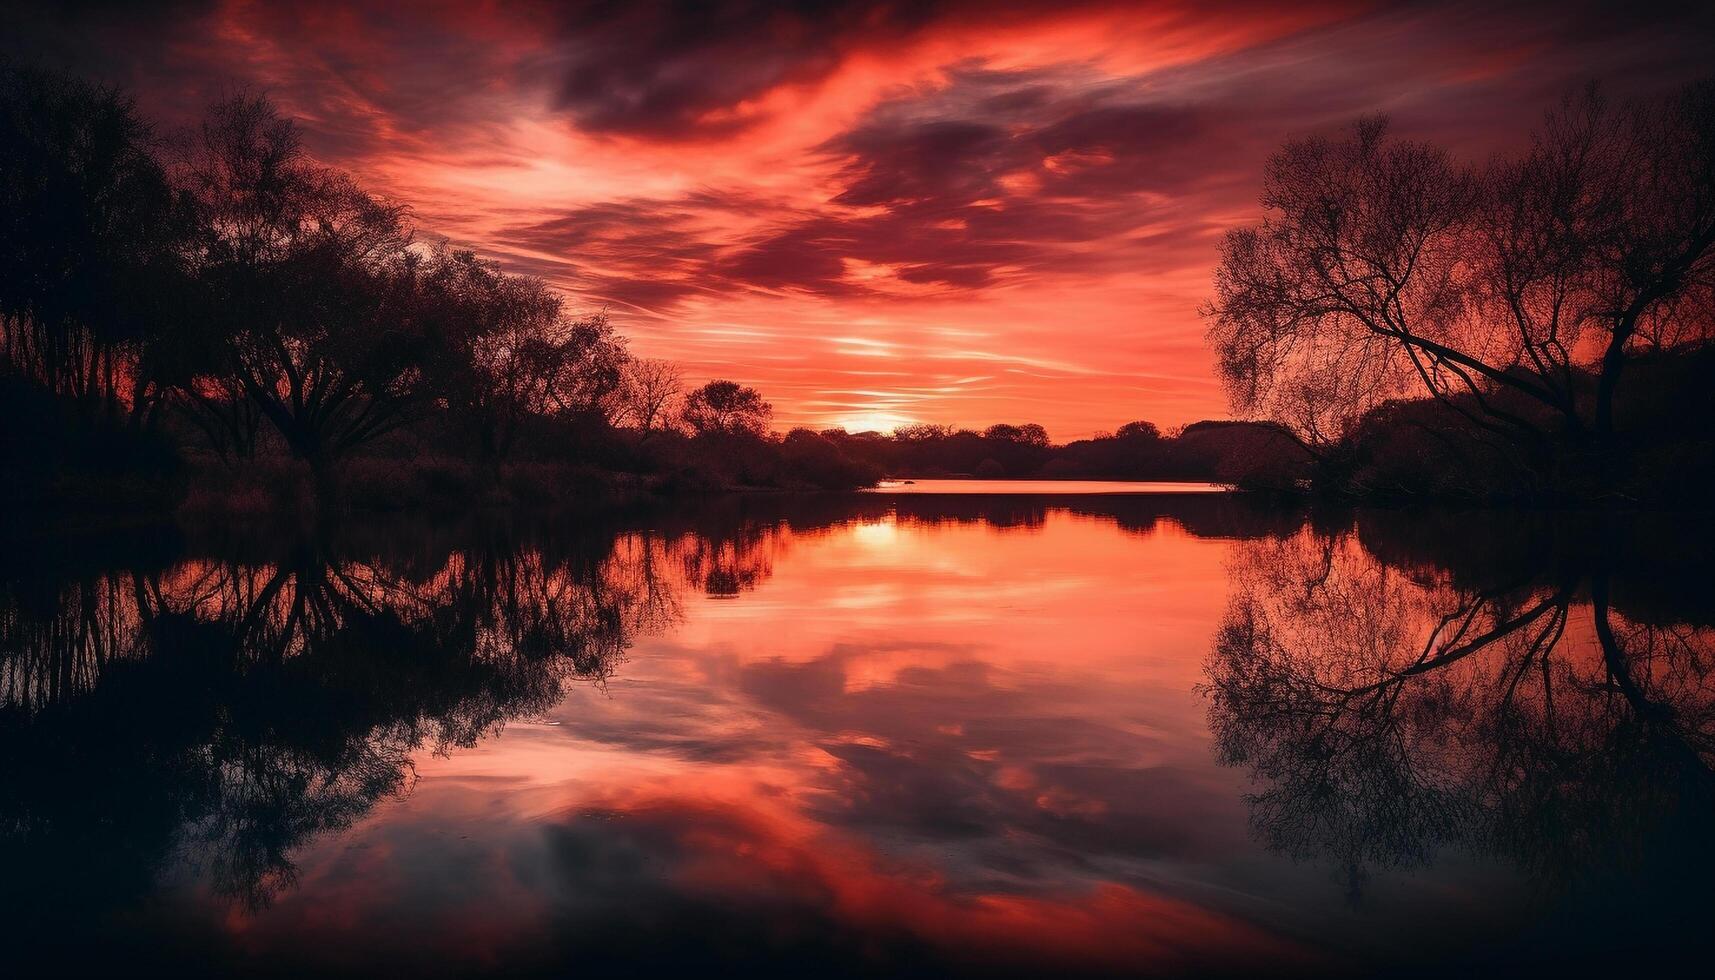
x=647, y=388
x=1384, y=269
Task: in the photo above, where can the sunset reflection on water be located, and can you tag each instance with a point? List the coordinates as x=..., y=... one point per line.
x=945, y=736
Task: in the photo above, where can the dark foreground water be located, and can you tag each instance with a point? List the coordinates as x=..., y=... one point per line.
x=872, y=735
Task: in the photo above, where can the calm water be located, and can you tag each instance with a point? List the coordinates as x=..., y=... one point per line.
x=871, y=735
x=1042, y=487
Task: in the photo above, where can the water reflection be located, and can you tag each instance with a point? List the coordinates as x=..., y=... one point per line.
x=227, y=710
x=853, y=735
x=1538, y=692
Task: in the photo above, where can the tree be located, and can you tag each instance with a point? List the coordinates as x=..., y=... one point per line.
x=1347, y=285
x=89, y=237
x=647, y=387
x=726, y=408
x=1028, y=434
x=486, y=333
x=922, y=432
x=583, y=366
x=1384, y=269
x=313, y=293
x=1146, y=431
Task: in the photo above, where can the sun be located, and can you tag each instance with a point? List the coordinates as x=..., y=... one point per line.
x=874, y=421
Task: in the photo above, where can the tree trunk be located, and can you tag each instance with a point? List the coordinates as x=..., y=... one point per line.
x=1619, y=671
x=1608, y=381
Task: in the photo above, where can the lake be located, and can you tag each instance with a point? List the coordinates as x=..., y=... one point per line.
x=1042, y=487
x=877, y=734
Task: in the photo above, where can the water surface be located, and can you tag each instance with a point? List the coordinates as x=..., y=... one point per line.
x=870, y=735
x=1044, y=487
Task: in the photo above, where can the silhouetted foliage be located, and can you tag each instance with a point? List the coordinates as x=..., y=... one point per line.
x=1246, y=453
x=492, y=347
x=1515, y=294
x=90, y=238
x=248, y=303
x=1030, y=434
x=725, y=408
x=647, y=389
x=586, y=364
x=1138, y=430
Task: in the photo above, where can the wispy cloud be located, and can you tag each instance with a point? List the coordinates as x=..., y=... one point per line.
x=1025, y=192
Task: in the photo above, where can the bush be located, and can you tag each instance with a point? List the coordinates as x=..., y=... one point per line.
x=809, y=460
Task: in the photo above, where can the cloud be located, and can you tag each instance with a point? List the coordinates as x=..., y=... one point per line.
x=969, y=182
x=930, y=194
x=677, y=69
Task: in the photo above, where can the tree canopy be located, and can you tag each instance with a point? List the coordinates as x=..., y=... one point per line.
x=1514, y=292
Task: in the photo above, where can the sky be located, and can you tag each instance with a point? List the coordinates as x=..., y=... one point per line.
x=960, y=212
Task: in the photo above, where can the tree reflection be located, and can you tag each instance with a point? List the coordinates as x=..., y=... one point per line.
x=1393, y=709
x=218, y=713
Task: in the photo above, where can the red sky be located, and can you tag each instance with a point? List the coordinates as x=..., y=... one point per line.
x=955, y=211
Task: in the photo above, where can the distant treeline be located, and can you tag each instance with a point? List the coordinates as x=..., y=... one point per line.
x=1213, y=451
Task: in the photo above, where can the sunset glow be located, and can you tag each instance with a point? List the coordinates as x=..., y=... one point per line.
x=953, y=212
x=856, y=488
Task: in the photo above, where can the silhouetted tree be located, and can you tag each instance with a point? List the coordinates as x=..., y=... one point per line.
x=922, y=432
x=1028, y=434
x=725, y=408
x=312, y=291
x=1384, y=268
x=89, y=238
x=583, y=365
x=1138, y=430
x=491, y=346
x=647, y=389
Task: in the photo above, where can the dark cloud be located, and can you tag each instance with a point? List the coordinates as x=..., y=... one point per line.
x=679, y=67
x=688, y=68
x=954, y=178
x=938, y=164
x=639, y=253
x=1080, y=136
x=944, y=191
x=364, y=81
x=700, y=69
